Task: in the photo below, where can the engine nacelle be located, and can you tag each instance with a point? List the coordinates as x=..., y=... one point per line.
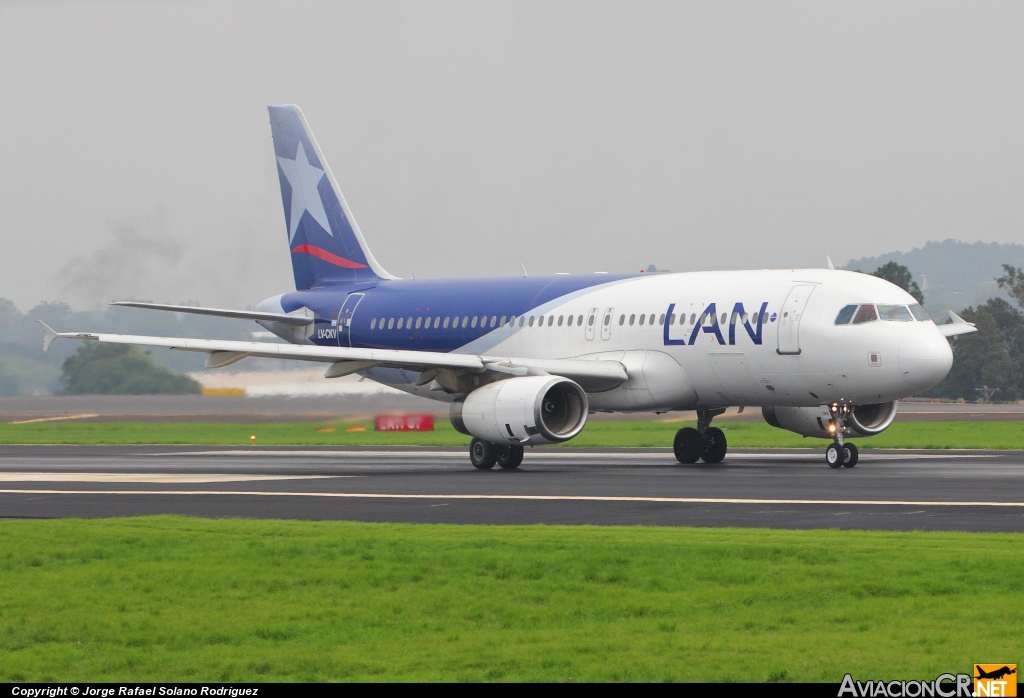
x=865, y=420
x=534, y=409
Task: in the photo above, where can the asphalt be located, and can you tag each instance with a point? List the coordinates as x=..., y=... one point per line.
x=895, y=490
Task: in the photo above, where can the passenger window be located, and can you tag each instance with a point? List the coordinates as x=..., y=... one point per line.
x=445, y=324
x=693, y=318
x=569, y=321
x=650, y=320
x=522, y=319
x=622, y=320
x=632, y=319
x=401, y=322
x=373, y=324
x=473, y=322
x=607, y=319
x=579, y=319
x=551, y=320
x=419, y=321
x=661, y=320
x=437, y=322
x=560, y=318
x=494, y=320
x=465, y=321
x=642, y=318
x=540, y=321
x=590, y=322
x=408, y=323
x=531, y=321
x=918, y=312
x=391, y=322
x=866, y=313
x=723, y=318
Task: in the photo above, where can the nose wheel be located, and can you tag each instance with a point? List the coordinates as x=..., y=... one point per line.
x=840, y=454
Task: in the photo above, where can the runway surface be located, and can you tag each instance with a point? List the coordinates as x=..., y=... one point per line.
x=889, y=490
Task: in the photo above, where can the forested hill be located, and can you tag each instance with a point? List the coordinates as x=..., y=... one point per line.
x=958, y=274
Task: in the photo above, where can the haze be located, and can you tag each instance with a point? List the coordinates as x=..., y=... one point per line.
x=471, y=137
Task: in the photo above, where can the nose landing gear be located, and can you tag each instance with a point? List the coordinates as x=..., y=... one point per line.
x=840, y=454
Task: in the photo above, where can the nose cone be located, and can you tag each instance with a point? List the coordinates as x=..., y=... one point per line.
x=925, y=359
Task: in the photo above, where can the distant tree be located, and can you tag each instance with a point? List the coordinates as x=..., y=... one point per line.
x=901, y=276
x=993, y=356
x=1013, y=283
x=120, y=369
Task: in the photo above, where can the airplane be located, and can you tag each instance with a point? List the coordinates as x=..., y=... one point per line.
x=994, y=674
x=524, y=360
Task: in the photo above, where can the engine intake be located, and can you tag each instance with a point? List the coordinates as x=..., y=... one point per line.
x=533, y=409
x=866, y=420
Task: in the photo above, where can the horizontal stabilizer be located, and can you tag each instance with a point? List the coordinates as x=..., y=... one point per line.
x=296, y=320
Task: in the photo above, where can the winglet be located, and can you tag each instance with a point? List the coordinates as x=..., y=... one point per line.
x=956, y=326
x=828, y=261
x=49, y=334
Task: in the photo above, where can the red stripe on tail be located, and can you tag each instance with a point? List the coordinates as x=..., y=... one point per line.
x=328, y=257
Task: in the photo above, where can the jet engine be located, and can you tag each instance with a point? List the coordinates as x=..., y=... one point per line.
x=865, y=420
x=529, y=409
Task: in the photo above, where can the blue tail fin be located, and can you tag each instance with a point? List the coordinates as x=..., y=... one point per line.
x=327, y=247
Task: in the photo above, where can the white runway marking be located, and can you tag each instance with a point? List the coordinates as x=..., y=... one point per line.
x=528, y=497
x=160, y=478
x=815, y=454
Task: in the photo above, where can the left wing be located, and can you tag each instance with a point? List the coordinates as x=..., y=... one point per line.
x=591, y=374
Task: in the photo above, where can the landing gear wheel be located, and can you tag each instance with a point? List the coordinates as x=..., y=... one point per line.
x=716, y=446
x=688, y=445
x=482, y=454
x=509, y=457
x=850, y=455
x=834, y=455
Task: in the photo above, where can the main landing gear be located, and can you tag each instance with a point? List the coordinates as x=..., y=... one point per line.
x=706, y=443
x=840, y=454
x=485, y=455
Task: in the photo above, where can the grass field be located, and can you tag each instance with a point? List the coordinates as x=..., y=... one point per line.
x=977, y=435
x=170, y=598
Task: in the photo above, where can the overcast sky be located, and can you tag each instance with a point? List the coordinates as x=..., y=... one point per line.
x=471, y=136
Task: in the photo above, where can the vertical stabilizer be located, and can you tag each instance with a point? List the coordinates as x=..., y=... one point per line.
x=325, y=242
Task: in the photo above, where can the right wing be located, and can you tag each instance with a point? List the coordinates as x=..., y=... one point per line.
x=956, y=326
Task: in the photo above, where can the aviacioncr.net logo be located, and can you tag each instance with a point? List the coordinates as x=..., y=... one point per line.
x=995, y=680
x=943, y=686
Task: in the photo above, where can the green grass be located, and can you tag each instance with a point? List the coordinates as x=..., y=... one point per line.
x=981, y=435
x=172, y=598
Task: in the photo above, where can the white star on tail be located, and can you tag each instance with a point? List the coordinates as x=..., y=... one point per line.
x=304, y=178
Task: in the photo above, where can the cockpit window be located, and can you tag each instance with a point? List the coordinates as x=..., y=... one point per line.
x=918, y=312
x=843, y=318
x=866, y=313
x=897, y=313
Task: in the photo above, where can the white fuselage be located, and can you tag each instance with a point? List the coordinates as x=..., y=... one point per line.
x=798, y=356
